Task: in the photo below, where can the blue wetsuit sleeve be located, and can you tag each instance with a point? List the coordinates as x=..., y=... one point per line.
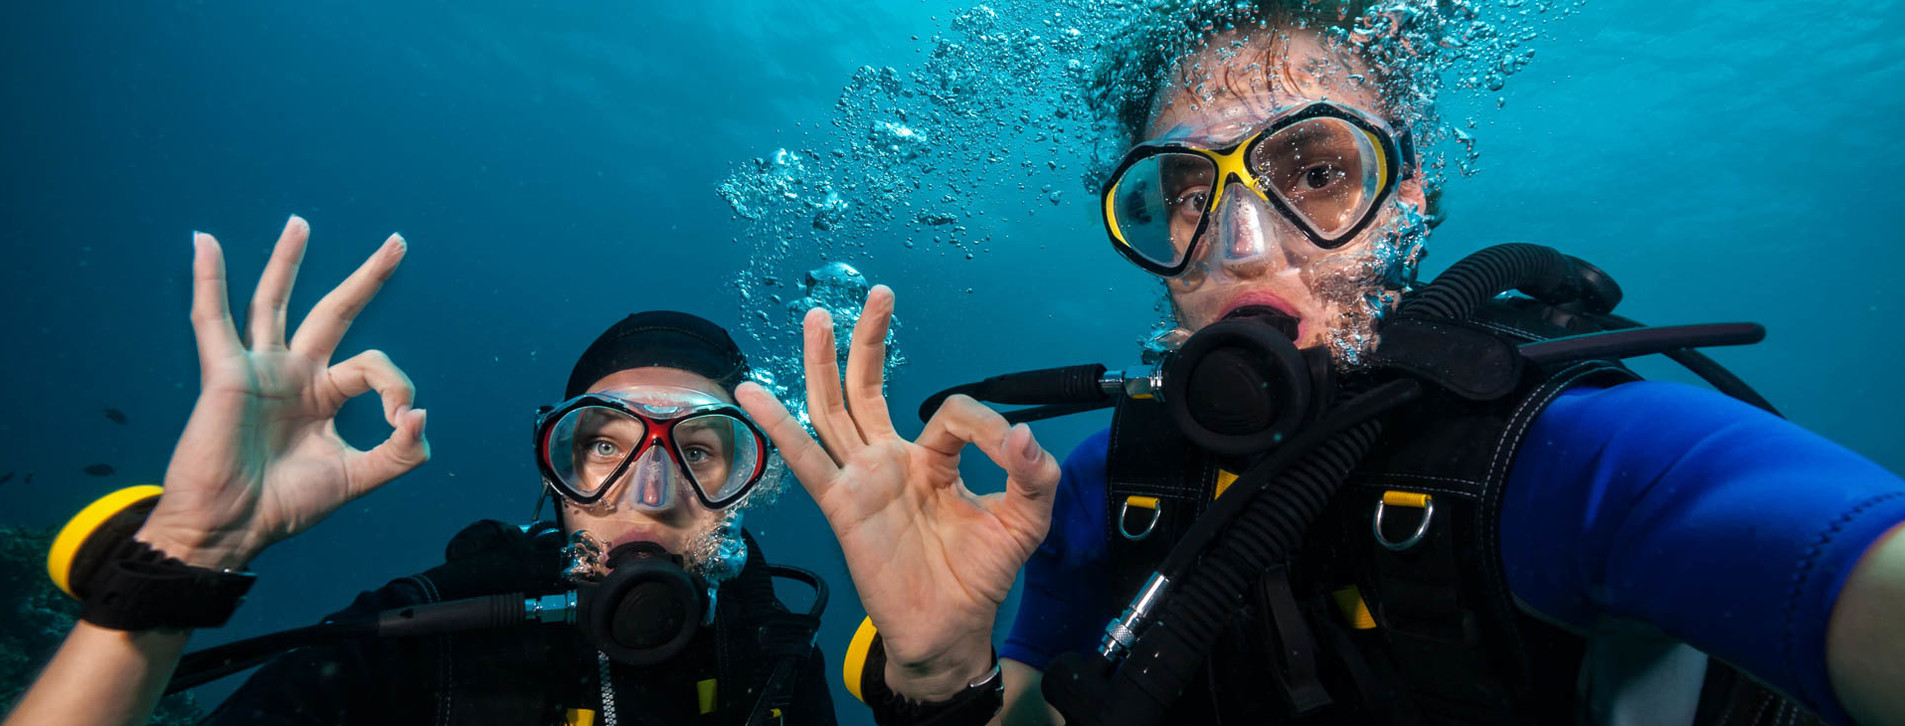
x=1722, y=525
x=1063, y=606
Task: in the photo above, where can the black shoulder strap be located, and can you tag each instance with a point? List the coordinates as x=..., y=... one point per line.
x=1441, y=606
x=1156, y=486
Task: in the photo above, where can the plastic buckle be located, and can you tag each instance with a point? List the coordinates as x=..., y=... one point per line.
x=1151, y=503
x=1404, y=499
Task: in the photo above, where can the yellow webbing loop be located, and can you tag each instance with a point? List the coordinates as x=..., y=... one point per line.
x=1355, y=610
x=59, y=561
x=856, y=658
x=1224, y=480
x=578, y=717
x=1405, y=499
x=1142, y=502
x=705, y=690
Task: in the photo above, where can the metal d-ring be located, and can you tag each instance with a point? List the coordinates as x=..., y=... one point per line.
x=1428, y=513
x=1157, y=511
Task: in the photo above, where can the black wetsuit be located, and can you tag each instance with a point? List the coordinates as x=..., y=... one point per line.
x=527, y=675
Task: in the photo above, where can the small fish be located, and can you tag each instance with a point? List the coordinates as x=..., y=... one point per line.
x=99, y=470
x=115, y=415
x=7, y=478
x=28, y=479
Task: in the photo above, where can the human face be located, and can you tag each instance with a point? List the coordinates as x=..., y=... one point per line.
x=1255, y=257
x=629, y=512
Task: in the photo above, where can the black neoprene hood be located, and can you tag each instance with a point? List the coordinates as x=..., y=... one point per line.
x=664, y=338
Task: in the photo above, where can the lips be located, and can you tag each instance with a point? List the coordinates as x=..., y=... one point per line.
x=1250, y=298
x=636, y=536
x=1264, y=298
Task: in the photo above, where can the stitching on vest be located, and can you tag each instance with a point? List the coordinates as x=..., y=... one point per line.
x=1111, y=526
x=1512, y=442
x=1410, y=480
x=1807, y=562
x=1765, y=700
x=1509, y=329
x=1489, y=512
x=1457, y=493
x=449, y=679
x=1430, y=477
x=1732, y=704
x=429, y=587
x=1161, y=491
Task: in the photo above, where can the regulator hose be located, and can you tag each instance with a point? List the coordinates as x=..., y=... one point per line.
x=1540, y=272
x=1065, y=390
x=1269, y=529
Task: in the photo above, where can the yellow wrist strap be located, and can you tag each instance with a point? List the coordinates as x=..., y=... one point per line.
x=59, y=561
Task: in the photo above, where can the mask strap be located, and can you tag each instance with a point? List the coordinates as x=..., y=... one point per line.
x=541, y=498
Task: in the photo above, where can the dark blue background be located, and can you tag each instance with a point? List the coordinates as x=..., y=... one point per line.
x=554, y=166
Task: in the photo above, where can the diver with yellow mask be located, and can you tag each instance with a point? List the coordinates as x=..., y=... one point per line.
x=1329, y=494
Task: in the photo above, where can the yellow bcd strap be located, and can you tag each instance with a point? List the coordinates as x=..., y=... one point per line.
x=59, y=560
x=1355, y=610
x=854, y=664
x=705, y=692
x=578, y=717
x=1224, y=480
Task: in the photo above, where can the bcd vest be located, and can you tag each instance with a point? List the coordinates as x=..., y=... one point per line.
x=550, y=674
x=1353, y=631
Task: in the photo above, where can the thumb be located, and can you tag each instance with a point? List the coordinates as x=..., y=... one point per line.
x=1032, y=475
x=406, y=449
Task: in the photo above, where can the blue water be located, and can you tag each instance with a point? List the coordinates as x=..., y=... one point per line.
x=555, y=166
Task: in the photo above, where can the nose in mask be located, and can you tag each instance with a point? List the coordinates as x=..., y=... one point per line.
x=1246, y=226
x=1244, y=237
x=652, y=483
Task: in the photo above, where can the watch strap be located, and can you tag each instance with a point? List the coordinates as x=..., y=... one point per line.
x=974, y=705
x=137, y=587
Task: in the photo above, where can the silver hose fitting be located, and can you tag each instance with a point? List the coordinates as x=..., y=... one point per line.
x=1123, y=630
x=557, y=608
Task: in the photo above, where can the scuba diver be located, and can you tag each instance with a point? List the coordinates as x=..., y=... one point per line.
x=1335, y=496
x=644, y=602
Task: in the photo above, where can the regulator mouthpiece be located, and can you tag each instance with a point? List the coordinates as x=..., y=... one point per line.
x=647, y=609
x=1240, y=386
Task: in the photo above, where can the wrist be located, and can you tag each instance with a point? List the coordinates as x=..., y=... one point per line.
x=202, y=550
x=941, y=675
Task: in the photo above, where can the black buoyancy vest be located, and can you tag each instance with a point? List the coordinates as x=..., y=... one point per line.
x=1350, y=631
x=535, y=674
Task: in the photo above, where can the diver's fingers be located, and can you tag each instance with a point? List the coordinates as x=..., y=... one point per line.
x=960, y=421
x=810, y=463
x=1032, y=475
x=372, y=370
x=264, y=325
x=825, y=408
x=321, y=330
x=211, y=314
x=406, y=449
x=866, y=366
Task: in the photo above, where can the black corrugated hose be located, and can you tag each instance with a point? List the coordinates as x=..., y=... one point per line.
x=1542, y=272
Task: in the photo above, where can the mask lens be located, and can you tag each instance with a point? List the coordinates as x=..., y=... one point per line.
x=1157, y=203
x=1327, y=170
x=588, y=445
x=722, y=455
